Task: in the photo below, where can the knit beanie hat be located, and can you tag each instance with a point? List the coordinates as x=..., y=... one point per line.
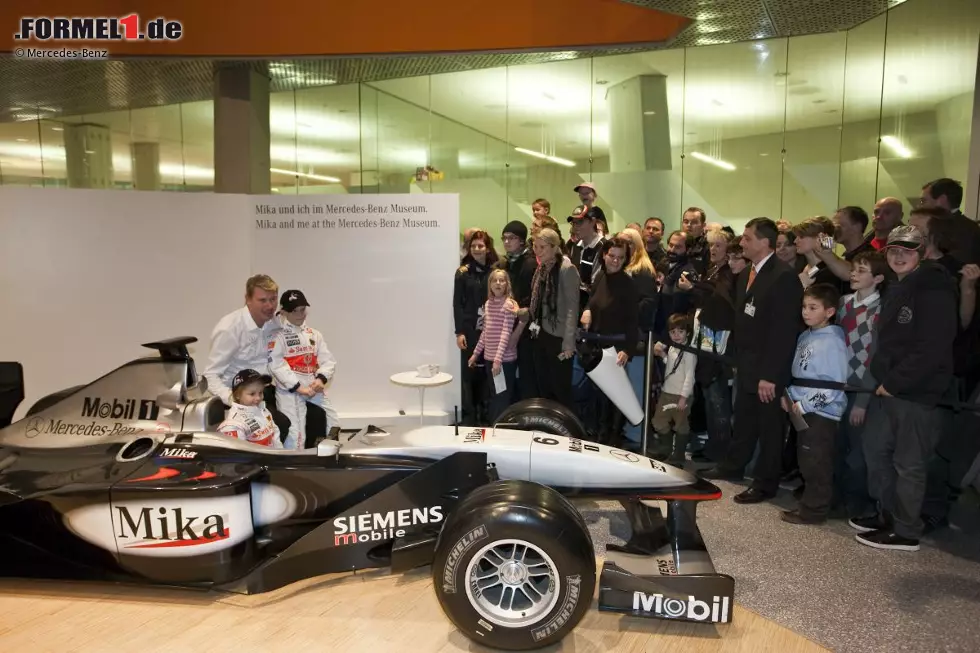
x=517, y=228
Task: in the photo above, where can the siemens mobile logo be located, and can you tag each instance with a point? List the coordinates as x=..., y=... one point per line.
x=127, y=28
x=379, y=527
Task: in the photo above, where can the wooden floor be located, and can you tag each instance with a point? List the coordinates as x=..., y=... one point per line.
x=373, y=612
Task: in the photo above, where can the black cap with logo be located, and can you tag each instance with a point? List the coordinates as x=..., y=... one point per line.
x=292, y=299
x=247, y=376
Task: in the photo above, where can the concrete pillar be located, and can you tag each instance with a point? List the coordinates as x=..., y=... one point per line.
x=241, y=132
x=639, y=125
x=146, y=165
x=88, y=155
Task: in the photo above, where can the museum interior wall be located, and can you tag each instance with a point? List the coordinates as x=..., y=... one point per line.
x=783, y=127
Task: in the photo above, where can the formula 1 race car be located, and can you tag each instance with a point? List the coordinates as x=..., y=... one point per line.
x=126, y=480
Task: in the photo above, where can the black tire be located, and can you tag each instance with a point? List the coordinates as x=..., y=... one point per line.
x=51, y=399
x=545, y=415
x=555, y=540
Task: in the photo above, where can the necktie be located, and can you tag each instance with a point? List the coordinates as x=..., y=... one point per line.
x=751, y=277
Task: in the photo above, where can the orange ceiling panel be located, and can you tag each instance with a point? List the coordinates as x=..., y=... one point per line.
x=262, y=28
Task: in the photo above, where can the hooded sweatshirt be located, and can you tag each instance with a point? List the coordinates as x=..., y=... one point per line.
x=821, y=355
x=913, y=357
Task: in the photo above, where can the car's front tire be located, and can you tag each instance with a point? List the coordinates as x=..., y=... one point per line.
x=514, y=566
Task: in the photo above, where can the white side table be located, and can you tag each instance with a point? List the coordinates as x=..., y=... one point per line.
x=413, y=380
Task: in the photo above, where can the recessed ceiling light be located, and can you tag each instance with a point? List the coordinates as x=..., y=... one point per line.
x=649, y=113
x=22, y=140
x=57, y=129
x=763, y=154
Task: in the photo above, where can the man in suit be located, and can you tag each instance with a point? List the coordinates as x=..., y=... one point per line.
x=768, y=320
x=948, y=194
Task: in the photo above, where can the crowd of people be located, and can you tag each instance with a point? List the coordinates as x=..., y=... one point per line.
x=824, y=353
x=821, y=353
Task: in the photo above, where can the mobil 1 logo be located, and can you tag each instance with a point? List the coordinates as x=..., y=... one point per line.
x=125, y=409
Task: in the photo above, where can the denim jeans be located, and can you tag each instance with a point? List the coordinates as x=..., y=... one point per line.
x=718, y=416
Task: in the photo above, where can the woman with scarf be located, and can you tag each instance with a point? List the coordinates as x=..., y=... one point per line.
x=614, y=309
x=469, y=296
x=552, y=318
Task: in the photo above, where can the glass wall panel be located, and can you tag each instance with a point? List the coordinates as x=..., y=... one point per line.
x=469, y=125
x=863, y=70
x=814, y=105
x=396, y=128
x=551, y=136
x=197, y=141
x=21, y=158
x=734, y=117
x=927, y=102
x=639, y=132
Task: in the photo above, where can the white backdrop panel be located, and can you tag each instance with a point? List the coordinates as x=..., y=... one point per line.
x=88, y=275
x=380, y=285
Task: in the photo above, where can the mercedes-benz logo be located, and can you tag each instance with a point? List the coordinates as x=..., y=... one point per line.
x=34, y=426
x=625, y=455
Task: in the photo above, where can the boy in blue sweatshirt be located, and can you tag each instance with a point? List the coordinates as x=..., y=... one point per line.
x=821, y=355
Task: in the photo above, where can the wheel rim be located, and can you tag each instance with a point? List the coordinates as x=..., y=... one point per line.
x=512, y=583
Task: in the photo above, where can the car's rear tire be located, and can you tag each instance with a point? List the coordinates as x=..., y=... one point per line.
x=545, y=415
x=514, y=566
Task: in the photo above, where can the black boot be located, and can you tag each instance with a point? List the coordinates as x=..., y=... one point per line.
x=678, y=455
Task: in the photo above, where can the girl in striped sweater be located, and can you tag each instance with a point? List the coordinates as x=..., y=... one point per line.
x=498, y=342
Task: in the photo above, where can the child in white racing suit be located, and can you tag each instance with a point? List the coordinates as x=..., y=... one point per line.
x=248, y=419
x=302, y=366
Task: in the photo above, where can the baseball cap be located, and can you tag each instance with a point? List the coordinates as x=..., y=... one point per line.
x=580, y=212
x=247, y=376
x=585, y=184
x=905, y=237
x=292, y=299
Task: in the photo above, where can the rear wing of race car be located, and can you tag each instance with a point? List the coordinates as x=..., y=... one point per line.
x=664, y=570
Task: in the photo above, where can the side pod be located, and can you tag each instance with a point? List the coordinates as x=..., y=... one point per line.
x=395, y=523
x=664, y=571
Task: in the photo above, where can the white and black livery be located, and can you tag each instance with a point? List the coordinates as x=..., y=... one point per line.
x=125, y=480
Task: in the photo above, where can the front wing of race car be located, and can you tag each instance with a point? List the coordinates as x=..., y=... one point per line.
x=664, y=570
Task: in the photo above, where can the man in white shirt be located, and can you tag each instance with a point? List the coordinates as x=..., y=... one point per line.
x=243, y=338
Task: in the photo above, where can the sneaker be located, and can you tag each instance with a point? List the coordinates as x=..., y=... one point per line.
x=868, y=524
x=887, y=540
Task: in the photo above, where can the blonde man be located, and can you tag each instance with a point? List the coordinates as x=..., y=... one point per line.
x=242, y=339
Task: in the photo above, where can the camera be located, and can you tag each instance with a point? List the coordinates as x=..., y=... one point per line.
x=691, y=276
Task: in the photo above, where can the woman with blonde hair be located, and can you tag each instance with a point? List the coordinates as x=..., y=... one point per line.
x=552, y=317
x=644, y=274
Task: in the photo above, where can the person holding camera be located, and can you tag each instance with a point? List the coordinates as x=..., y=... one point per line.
x=812, y=236
x=673, y=297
